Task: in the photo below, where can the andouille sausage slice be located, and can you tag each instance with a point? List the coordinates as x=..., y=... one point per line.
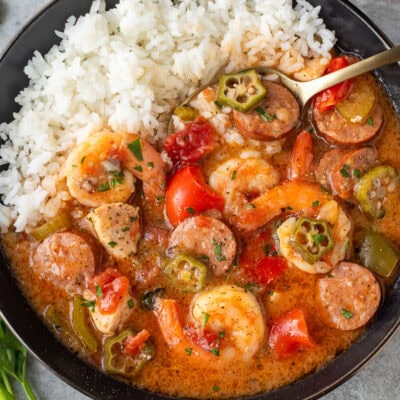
x=337, y=130
x=324, y=168
x=341, y=170
x=351, y=166
x=349, y=295
x=65, y=259
x=274, y=117
x=203, y=236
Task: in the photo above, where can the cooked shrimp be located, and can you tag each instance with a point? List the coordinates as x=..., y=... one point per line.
x=300, y=196
x=102, y=169
x=240, y=180
x=229, y=311
x=117, y=227
x=340, y=231
x=236, y=312
x=313, y=69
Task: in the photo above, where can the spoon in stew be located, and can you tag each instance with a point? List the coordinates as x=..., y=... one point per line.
x=305, y=91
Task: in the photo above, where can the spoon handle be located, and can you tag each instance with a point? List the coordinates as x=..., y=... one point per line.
x=311, y=88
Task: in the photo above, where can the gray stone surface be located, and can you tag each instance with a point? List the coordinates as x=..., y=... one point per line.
x=380, y=379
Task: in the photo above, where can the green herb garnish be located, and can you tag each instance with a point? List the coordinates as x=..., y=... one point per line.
x=89, y=304
x=104, y=187
x=264, y=116
x=370, y=121
x=99, y=290
x=315, y=203
x=136, y=148
x=112, y=244
x=131, y=303
x=188, y=351
x=346, y=313
x=233, y=176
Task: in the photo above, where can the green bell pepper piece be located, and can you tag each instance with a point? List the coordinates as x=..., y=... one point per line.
x=376, y=253
x=81, y=325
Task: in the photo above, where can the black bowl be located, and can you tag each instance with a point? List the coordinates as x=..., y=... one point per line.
x=357, y=34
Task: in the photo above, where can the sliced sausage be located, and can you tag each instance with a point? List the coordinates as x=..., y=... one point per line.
x=117, y=227
x=349, y=295
x=65, y=259
x=204, y=236
x=348, y=170
x=337, y=130
x=324, y=168
x=281, y=110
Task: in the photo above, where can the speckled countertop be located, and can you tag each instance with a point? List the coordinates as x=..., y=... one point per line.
x=380, y=379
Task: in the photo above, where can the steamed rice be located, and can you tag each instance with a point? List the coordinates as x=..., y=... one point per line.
x=126, y=68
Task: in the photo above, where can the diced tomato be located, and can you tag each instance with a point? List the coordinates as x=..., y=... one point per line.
x=260, y=260
x=190, y=144
x=133, y=344
x=110, y=286
x=301, y=164
x=289, y=333
x=328, y=99
x=203, y=338
x=188, y=195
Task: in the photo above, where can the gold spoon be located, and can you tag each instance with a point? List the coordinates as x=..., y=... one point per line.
x=304, y=91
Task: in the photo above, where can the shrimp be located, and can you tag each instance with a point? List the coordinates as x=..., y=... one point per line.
x=313, y=69
x=239, y=180
x=104, y=167
x=236, y=312
x=341, y=231
x=232, y=313
x=300, y=196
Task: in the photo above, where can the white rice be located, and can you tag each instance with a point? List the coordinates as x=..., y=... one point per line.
x=125, y=69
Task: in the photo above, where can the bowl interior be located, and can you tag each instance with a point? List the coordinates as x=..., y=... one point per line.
x=357, y=34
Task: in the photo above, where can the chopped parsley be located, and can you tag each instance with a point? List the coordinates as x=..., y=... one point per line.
x=250, y=286
x=346, y=313
x=250, y=206
x=233, y=176
x=150, y=164
x=131, y=303
x=271, y=293
x=83, y=159
x=215, y=388
x=112, y=244
x=205, y=318
x=188, y=351
x=125, y=229
x=324, y=189
x=133, y=219
x=104, y=187
x=118, y=29
x=315, y=203
x=218, y=250
x=215, y=352
x=136, y=149
x=203, y=258
x=163, y=185
x=221, y=334
x=88, y=304
x=117, y=179
x=99, y=291
x=357, y=173
x=190, y=210
x=329, y=276
x=267, y=249
x=370, y=121
x=138, y=168
x=345, y=171
x=264, y=116
x=318, y=238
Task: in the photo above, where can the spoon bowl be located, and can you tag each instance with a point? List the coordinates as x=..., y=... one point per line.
x=305, y=91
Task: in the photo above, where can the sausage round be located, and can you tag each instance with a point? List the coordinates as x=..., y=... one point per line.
x=204, y=236
x=65, y=259
x=349, y=295
x=360, y=160
x=279, y=105
x=342, y=169
x=337, y=130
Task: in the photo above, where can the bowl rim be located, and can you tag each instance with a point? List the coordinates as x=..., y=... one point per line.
x=144, y=393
